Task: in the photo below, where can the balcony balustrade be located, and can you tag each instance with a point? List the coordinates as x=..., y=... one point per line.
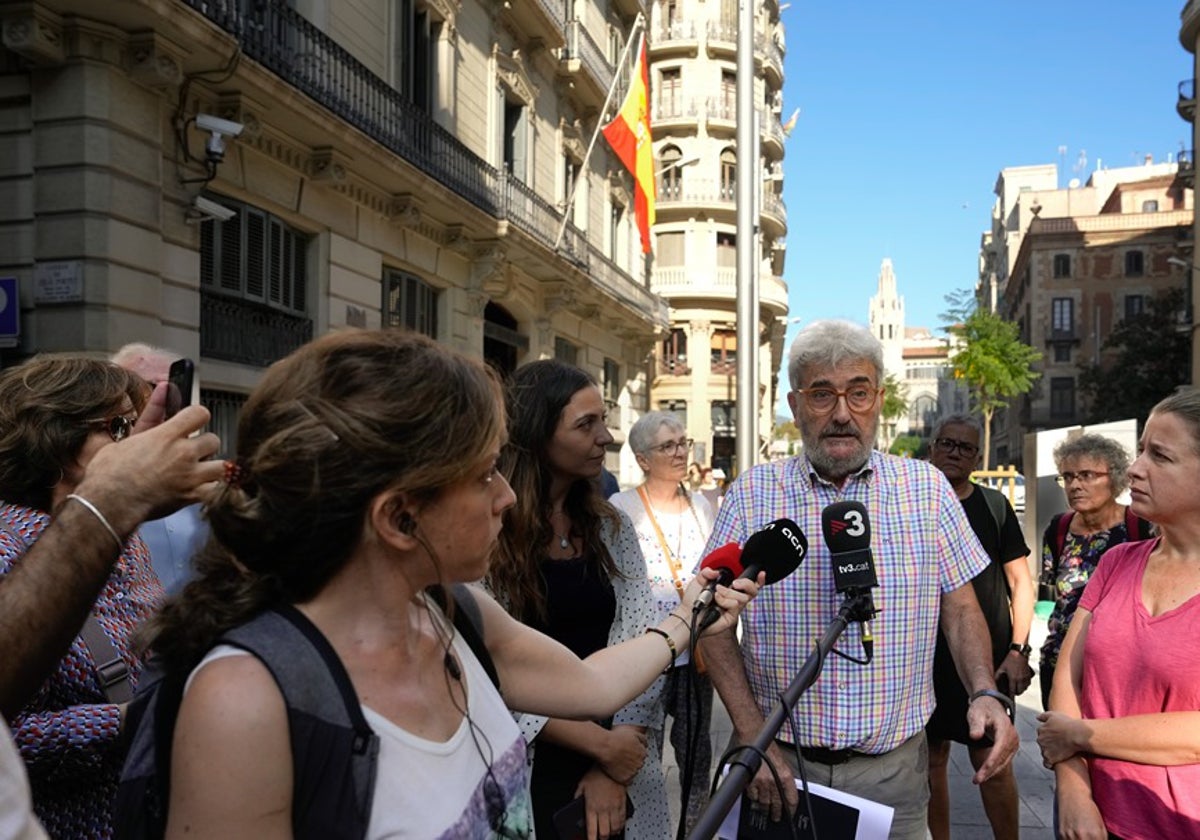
x=237, y=330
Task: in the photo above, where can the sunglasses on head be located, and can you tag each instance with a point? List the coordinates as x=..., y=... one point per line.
x=118, y=426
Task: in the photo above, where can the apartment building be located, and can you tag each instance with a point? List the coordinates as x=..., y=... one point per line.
x=693, y=79
x=1089, y=257
x=228, y=178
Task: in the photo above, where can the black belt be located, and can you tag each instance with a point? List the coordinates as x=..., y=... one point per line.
x=824, y=755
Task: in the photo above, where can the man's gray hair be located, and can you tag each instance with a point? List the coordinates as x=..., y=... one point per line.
x=959, y=419
x=641, y=435
x=1105, y=449
x=828, y=343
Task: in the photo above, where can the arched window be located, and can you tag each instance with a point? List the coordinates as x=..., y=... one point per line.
x=670, y=178
x=728, y=175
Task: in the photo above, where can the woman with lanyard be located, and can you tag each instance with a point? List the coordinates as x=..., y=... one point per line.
x=673, y=525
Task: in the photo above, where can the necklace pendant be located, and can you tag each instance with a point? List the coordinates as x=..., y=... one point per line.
x=564, y=543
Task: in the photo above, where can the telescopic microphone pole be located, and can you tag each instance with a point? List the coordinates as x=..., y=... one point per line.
x=741, y=771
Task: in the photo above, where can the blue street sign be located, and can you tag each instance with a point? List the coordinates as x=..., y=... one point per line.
x=10, y=308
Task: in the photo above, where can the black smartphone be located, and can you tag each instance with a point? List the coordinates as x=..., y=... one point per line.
x=569, y=819
x=179, y=386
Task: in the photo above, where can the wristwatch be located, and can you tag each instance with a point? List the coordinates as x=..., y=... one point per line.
x=1024, y=649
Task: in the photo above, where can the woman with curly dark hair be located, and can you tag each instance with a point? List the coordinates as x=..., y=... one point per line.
x=569, y=564
x=56, y=413
x=365, y=483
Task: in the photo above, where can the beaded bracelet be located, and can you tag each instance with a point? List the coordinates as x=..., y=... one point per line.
x=96, y=512
x=670, y=645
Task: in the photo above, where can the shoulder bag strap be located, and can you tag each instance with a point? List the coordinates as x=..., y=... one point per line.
x=111, y=669
x=672, y=561
x=1060, y=533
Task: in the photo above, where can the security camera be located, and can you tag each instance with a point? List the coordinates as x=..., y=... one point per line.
x=204, y=208
x=207, y=122
x=214, y=147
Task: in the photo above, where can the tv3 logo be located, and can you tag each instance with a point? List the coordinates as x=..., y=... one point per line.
x=852, y=524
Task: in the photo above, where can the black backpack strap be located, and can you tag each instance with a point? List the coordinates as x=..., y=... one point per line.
x=140, y=807
x=334, y=750
x=996, y=503
x=468, y=621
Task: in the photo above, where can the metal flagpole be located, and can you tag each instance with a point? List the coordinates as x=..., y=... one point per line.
x=639, y=23
x=749, y=179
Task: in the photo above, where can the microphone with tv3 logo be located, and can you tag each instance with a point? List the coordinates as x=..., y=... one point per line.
x=847, y=531
x=777, y=550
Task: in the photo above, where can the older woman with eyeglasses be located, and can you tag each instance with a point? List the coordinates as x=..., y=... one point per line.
x=56, y=413
x=673, y=525
x=1092, y=470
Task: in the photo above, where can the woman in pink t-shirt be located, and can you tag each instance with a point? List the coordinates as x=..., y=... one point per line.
x=1123, y=730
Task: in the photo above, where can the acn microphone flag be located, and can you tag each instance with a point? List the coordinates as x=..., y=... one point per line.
x=629, y=136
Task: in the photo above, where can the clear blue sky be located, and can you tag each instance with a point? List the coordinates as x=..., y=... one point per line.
x=908, y=111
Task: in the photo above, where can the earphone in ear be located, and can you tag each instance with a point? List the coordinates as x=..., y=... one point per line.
x=406, y=523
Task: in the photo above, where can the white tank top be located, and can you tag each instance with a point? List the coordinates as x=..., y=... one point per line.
x=430, y=790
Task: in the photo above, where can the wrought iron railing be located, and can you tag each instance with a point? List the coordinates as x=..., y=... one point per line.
x=237, y=330
x=581, y=45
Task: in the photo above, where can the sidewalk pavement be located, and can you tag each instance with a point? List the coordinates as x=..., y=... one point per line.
x=1035, y=784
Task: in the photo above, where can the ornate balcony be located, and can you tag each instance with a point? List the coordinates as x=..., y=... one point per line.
x=722, y=38
x=674, y=112
x=585, y=62
x=249, y=333
x=1186, y=104
x=774, y=215
x=677, y=37
x=690, y=194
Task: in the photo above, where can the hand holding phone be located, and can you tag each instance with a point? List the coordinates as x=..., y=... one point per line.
x=179, y=386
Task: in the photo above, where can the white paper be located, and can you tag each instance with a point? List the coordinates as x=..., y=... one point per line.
x=874, y=818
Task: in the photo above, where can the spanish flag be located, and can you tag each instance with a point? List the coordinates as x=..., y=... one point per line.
x=629, y=136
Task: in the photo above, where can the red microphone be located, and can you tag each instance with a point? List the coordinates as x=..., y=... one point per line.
x=727, y=560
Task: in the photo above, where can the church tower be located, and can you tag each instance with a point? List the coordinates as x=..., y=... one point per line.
x=887, y=321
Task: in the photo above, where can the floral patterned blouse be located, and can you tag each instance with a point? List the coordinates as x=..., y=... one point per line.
x=1080, y=556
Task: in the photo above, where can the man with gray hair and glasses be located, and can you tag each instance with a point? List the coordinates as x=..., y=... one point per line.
x=1005, y=593
x=860, y=728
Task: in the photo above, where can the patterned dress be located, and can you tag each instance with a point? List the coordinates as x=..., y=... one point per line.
x=1080, y=556
x=69, y=735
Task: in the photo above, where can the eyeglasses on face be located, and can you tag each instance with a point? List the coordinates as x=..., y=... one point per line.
x=1084, y=476
x=824, y=400
x=949, y=445
x=118, y=426
x=671, y=447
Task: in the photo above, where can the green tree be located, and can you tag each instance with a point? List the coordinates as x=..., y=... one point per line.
x=991, y=359
x=1148, y=359
x=895, y=406
x=911, y=446
x=895, y=398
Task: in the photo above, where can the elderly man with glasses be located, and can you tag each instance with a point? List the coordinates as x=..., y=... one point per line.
x=1005, y=593
x=860, y=728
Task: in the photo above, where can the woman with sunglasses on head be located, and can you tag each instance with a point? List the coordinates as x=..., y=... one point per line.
x=673, y=524
x=1092, y=470
x=365, y=486
x=569, y=565
x=56, y=413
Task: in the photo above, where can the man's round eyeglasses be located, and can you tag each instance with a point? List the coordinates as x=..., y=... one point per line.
x=118, y=427
x=673, y=446
x=824, y=400
x=1085, y=476
x=948, y=445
